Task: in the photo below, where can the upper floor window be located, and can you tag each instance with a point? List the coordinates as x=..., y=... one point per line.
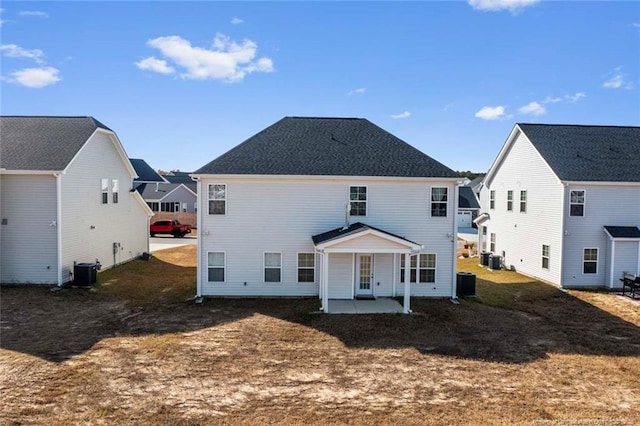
x=545, y=256
x=272, y=267
x=577, y=203
x=523, y=201
x=105, y=190
x=217, y=198
x=306, y=267
x=115, y=188
x=510, y=200
x=590, y=261
x=439, y=198
x=492, y=199
x=358, y=200
x=492, y=247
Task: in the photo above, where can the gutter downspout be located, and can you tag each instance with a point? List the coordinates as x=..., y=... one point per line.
x=563, y=233
x=454, y=243
x=199, y=241
x=58, y=177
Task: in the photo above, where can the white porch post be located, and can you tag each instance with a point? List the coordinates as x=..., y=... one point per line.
x=394, y=273
x=407, y=283
x=325, y=282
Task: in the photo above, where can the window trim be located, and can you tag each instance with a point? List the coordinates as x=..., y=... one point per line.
x=583, y=204
x=298, y=267
x=365, y=201
x=115, y=190
x=104, y=190
x=492, y=199
x=446, y=202
x=547, y=256
x=590, y=261
x=523, y=207
x=209, y=199
x=417, y=268
x=510, y=200
x=224, y=267
x=264, y=266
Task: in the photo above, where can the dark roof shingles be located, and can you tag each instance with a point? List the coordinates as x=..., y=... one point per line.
x=326, y=147
x=145, y=172
x=623, y=231
x=588, y=153
x=353, y=228
x=43, y=143
x=467, y=199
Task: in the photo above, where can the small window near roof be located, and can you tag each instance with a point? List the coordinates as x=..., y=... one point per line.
x=492, y=199
x=105, y=190
x=509, y=200
x=523, y=201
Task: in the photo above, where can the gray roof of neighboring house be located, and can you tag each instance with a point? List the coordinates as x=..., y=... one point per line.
x=145, y=172
x=467, y=199
x=326, y=147
x=43, y=143
x=179, y=177
x=588, y=153
x=151, y=191
x=623, y=231
x=353, y=228
x=475, y=182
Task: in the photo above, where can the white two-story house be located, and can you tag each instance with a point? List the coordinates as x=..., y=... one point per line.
x=562, y=203
x=330, y=207
x=66, y=197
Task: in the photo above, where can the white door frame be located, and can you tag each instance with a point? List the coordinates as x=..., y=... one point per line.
x=358, y=291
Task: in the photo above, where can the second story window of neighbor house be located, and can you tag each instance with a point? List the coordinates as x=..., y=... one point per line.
x=439, y=200
x=218, y=198
x=523, y=201
x=510, y=200
x=492, y=199
x=577, y=203
x=105, y=190
x=115, y=189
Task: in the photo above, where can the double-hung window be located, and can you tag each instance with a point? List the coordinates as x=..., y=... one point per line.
x=545, y=256
x=439, y=198
x=104, y=184
x=590, y=261
x=523, y=201
x=492, y=199
x=422, y=268
x=272, y=267
x=492, y=247
x=358, y=200
x=306, y=267
x=577, y=203
x=218, y=198
x=115, y=188
x=510, y=200
x=216, y=264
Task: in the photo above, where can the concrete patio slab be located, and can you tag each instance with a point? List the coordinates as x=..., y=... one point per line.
x=378, y=306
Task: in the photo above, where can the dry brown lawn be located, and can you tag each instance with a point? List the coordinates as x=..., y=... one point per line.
x=137, y=350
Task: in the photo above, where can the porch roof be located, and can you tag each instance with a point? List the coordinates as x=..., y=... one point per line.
x=622, y=232
x=357, y=230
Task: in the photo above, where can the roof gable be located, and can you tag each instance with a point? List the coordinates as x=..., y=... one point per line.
x=145, y=172
x=43, y=143
x=588, y=153
x=326, y=147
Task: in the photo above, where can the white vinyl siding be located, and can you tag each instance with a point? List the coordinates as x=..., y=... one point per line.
x=341, y=275
x=89, y=228
x=270, y=212
x=28, y=238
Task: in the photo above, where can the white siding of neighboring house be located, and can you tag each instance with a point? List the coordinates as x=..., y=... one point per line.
x=281, y=214
x=522, y=235
x=183, y=196
x=28, y=241
x=125, y=222
x=605, y=205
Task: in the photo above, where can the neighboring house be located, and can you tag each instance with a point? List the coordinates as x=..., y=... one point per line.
x=65, y=196
x=331, y=207
x=562, y=203
x=476, y=185
x=170, y=198
x=468, y=207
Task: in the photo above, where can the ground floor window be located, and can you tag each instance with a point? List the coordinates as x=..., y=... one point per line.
x=545, y=256
x=216, y=265
x=155, y=207
x=272, y=267
x=306, y=267
x=170, y=207
x=422, y=268
x=590, y=261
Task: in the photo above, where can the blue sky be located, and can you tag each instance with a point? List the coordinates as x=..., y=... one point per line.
x=183, y=82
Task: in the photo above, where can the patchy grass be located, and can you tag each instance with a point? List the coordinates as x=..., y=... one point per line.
x=133, y=351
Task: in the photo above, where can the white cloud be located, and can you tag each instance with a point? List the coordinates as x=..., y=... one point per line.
x=15, y=51
x=614, y=82
x=225, y=60
x=358, y=91
x=532, y=108
x=576, y=97
x=35, y=13
x=405, y=114
x=236, y=21
x=566, y=98
x=156, y=65
x=491, y=113
x=512, y=6
x=35, y=78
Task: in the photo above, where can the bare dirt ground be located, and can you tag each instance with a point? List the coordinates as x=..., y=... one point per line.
x=134, y=350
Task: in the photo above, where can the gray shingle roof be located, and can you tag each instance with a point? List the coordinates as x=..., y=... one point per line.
x=588, y=153
x=467, y=199
x=623, y=231
x=43, y=143
x=145, y=172
x=353, y=228
x=179, y=177
x=327, y=147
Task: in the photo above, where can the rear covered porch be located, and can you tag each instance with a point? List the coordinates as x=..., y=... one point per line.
x=363, y=262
